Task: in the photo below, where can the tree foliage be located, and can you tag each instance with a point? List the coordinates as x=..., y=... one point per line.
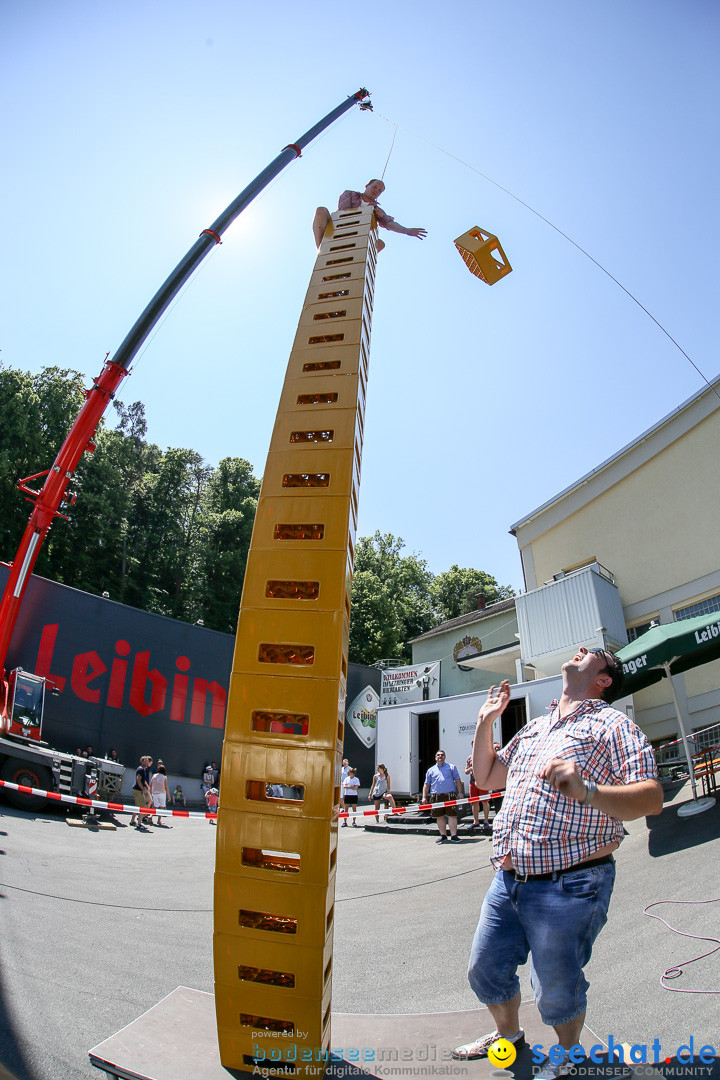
x=160, y=530
x=455, y=591
x=395, y=598
x=164, y=531
x=390, y=599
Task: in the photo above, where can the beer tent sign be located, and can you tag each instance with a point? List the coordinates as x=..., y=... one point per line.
x=420, y=682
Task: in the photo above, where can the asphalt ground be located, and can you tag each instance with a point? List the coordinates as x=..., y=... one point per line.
x=97, y=927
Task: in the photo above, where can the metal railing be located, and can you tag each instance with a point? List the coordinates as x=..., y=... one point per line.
x=670, y=753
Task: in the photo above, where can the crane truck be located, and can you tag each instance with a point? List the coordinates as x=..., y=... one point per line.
x=27, y=761
x=24, y=758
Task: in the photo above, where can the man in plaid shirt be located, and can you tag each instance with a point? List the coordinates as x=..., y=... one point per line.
x=351, y=200
x=571, y=778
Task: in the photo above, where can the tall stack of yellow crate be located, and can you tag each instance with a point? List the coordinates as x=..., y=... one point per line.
x=277, y=825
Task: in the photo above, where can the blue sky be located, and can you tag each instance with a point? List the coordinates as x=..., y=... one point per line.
x=127, y=128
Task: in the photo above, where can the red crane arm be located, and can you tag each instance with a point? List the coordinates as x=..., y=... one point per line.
x=50, y=497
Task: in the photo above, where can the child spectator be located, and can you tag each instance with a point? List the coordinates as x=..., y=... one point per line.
x=212, y=798
x=159, y=790
x=350, y=786
x=208, y=778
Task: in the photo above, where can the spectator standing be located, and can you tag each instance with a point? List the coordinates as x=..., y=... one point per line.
x=475, y=792
x=343, y=773
x=351, y=783
x=380, y=788
x=140, y=791
x=208, y=778
x=159, y=790
x=571, y=777
x=148, y=777
x=441, y=781
x=212, y=798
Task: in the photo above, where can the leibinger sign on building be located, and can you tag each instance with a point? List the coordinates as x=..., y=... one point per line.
x=418, y=683
x=361, y=715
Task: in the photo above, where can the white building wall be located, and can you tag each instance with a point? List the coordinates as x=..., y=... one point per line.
x=571, y=611
x=397, y=744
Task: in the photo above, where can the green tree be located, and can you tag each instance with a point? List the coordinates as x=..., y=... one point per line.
x=37, y=411
x=159, y=530
x=224, y=541
x=96, y=556
x=22, y=452
x=162, y=532
x=455, y=591
x=394, y=601
x=375, y=628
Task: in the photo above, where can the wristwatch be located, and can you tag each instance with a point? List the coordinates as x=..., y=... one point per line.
x=590, y=789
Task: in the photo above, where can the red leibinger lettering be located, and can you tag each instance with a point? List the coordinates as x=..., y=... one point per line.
x=133, y=683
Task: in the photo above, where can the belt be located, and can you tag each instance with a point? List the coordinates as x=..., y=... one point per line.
x=552, y=874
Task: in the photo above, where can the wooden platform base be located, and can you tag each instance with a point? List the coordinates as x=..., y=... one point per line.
x=177, y=1040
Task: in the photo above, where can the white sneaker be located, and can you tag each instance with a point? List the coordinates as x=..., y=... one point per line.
x=478, y=1049
x=550, y=1071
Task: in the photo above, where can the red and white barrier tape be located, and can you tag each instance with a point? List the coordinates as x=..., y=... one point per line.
x=415, y=808
x=117, y=808
x=151, y=811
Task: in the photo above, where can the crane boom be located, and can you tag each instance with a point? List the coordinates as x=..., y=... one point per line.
x=79, y=439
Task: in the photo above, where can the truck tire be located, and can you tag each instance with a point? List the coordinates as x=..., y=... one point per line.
x=16, y=771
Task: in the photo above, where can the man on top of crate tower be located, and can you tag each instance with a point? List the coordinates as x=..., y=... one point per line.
x=351, y=200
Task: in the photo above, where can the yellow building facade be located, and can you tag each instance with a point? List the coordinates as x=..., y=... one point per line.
x=650, y=515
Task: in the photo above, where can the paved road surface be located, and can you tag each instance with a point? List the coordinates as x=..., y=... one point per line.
x=98, y=927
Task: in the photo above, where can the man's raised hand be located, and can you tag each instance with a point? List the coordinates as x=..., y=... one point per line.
x=497, y=699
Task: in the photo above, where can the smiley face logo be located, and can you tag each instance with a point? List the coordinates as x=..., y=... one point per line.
x=502, y=1053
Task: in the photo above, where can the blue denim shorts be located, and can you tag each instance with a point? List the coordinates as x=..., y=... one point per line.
x=556, y=922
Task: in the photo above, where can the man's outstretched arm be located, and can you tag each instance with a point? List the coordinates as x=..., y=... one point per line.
x=393, y=226
x=490, y=773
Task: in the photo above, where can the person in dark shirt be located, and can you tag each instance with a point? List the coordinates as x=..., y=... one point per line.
x=141, y=789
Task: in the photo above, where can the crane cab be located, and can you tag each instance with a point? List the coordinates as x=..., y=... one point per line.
x=483, y=255
x=26, y=703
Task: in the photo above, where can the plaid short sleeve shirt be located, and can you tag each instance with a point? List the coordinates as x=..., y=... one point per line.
x=538, y=827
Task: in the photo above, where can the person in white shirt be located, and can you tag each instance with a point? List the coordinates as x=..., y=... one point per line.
x=350, y=786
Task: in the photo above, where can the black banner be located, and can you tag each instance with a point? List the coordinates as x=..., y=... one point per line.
x=133, y=681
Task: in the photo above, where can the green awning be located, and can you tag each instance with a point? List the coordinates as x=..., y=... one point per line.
x=669, y=649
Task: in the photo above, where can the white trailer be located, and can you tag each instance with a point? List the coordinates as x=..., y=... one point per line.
x=409, y=735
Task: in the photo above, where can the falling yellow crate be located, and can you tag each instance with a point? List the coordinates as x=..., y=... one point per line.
x=483, y=255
